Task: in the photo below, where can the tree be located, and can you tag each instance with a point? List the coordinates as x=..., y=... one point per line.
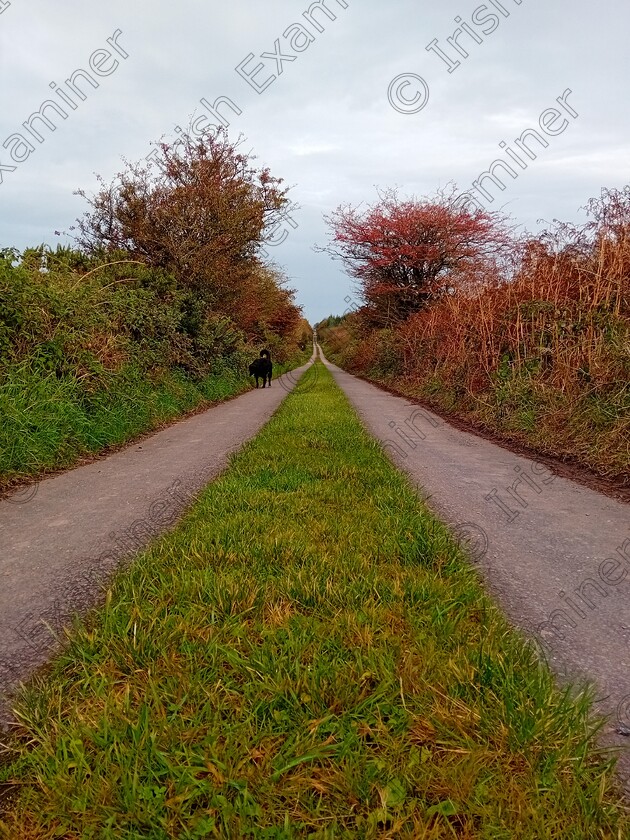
x=406, y=253
x=201, y=211
x=265, y=305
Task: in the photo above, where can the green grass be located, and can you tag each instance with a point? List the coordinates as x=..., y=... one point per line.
x=49, y=423
x=308, y=655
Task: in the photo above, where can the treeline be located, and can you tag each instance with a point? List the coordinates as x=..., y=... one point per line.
x=157, y=309
x=331, y=321
x=527, y=336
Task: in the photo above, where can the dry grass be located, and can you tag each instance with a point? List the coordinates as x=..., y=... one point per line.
x=544, y=358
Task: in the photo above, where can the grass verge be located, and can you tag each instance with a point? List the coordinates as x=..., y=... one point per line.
x=50, y=423
x=581, y=425
x=308, y=654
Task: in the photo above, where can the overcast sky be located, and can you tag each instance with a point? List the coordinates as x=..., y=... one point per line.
x=326, y=123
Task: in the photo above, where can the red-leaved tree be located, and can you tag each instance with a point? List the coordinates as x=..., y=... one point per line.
x=406, y=252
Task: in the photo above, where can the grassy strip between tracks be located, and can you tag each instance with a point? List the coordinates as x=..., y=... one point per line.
x=308, y=654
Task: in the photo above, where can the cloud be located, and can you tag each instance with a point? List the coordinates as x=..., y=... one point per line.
x=324, y=124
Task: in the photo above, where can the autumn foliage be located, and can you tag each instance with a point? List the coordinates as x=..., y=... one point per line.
x=537, y=350
x=159, y=309
x=200, y=211
x=407, y=253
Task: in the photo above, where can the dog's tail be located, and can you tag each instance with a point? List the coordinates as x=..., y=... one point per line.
x=265, y=354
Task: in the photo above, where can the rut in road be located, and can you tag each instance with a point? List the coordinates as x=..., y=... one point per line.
x=58, y=546
x=554, y=554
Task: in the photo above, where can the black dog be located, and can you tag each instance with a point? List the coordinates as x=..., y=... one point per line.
x=262, y=368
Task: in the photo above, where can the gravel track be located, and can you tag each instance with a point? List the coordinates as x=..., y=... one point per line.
x=553, y=553
x=61, y=539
